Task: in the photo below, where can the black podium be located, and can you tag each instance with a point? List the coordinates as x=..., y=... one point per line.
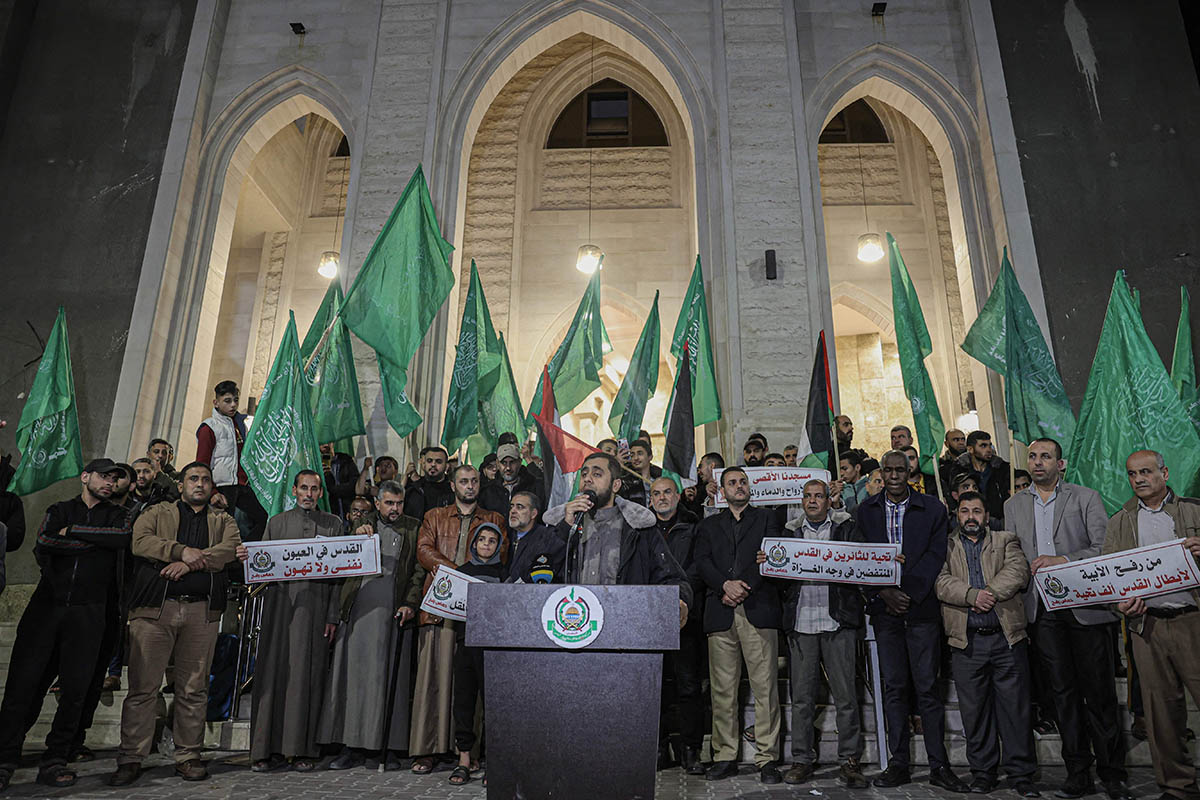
x=564, y=723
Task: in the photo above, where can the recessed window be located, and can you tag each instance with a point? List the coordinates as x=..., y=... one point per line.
x=857, y=123
x=607, y=114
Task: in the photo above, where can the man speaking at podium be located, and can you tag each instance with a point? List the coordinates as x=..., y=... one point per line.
x=611, y=540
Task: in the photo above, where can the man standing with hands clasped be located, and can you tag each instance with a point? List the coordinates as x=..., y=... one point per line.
x=742, y=617
x=1166, y=643
x=906, y=619
x=1059, y=522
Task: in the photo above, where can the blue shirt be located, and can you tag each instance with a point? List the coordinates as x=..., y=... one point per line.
x=974, y=553
x=894, y=514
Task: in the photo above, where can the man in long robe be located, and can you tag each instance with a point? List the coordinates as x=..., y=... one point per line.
x=364, y=650
x=298, y=620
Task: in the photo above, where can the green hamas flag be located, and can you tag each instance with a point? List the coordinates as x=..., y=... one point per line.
x=282, y=441
x=1183, y=363
x=398, y=409
x=629, y=407
x=476, y=367
x=333, y=384
x=48, y=433
x=1007, y=339
x=575, y=367
x=692, y=327
x=1130, y=404
x=499, y=411
x=914, y=346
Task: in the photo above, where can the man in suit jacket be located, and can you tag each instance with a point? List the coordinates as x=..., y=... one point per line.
x=906, y=619
x=1058, y=522
x=742, y=617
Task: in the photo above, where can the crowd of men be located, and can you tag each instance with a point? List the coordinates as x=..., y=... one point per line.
x=138, y=568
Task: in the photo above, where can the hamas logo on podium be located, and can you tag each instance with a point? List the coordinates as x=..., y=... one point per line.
x=572, y=617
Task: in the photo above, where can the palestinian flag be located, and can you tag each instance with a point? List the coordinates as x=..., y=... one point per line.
x=562, y=453
x=679, y=455
x=816, y=442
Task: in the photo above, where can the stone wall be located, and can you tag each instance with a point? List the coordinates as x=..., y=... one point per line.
x=872, y=390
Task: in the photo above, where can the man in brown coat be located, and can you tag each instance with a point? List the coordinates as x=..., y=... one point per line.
x=1166, y=646
x=178, y=594
x=984, y=618
x=443, y=539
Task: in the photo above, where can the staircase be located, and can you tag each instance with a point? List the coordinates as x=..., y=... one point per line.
x=105, y=733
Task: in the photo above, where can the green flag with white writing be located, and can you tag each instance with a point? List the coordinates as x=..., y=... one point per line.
x=629, y=406
x=404, y=280
x=575, y=366
x=283, y=439
x=476, y=367
x=914, y=346
x=333, y=384
x=48, y=433
x=1130, y=404
x=692, y=327
x=397, y=408
x=1007, y=339
x=1183, y=362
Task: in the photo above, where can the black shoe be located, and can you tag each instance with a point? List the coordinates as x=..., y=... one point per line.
x=1117, y=790
x=799, y=773
x=770, y=774
x=125, y=774
x=1076, y=786
x=944, y=778
x=665, y=761
x=720, y=770
x=1025, y=787
x=891, y=777
x=691, y=761
x=347, y=760
x=981, y=784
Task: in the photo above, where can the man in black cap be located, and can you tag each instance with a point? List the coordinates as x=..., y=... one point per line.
x=79, y=549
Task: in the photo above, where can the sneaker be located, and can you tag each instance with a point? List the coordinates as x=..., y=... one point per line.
x=799, y=773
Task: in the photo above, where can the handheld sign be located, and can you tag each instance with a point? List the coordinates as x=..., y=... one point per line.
x=832, y=562
x=1143, y=572
x=447, y=595
x=773, y=486
x=306, y=559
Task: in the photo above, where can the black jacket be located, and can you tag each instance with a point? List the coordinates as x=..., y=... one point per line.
x=845, y=600
x=680, y=534
x=645, y=557
x=425, y=495
x=635, y=490
x=544, y=547
x=84, y=564
x=998, y=486
x=923, y=545
x=12, y=515
x=340, y=479
x=495, y=497
x=721, y=554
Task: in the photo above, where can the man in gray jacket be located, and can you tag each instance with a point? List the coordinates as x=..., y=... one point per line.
x=1058, y=522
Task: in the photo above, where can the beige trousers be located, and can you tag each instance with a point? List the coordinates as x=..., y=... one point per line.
x=760, y=649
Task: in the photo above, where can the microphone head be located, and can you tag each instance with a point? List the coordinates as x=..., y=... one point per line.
x=590, y=495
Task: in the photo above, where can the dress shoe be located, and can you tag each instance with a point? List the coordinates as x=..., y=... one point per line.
x=721, y=770
x=891, y=777
x=125, y=774
x=769, y=774
x=192, y=770
x=798, y=773
x=1138, y=729
x=112, y=683
x=944, y=778
x=665, y=761
x=1076, y=786
x=1025, y=787
x=1117, y=790
x=691, y=761
x=347, y=760
x=982, y=784
x=851, y=775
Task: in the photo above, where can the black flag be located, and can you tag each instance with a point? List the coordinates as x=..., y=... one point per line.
x=679, y=456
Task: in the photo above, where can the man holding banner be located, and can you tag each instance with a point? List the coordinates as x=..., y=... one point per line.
x=1058, y=522
x=299, y=619
x=1167, y=627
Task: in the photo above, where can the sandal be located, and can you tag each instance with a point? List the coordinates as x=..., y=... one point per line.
x=57, y=775
x=422, y=766
x=460, y=775
x=303, y=765
x=269, y=764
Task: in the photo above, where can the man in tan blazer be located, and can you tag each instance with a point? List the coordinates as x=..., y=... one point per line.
x=982, y=612
x=1058, y=522
x=1166, y=646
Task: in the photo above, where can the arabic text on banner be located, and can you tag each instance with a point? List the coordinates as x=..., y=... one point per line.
x=773, y=486
x=832, y=562
x=320, y=557
x=447, y=595
x=1144, y=572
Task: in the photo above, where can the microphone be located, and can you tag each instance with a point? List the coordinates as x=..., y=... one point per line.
x=576, y=529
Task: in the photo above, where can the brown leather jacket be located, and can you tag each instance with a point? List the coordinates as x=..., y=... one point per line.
x=438, y=541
